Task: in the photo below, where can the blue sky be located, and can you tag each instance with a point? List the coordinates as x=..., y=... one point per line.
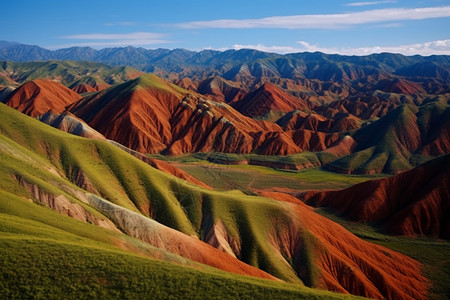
x=339, y=26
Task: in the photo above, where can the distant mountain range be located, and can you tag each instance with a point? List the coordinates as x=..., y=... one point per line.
x=237, y=63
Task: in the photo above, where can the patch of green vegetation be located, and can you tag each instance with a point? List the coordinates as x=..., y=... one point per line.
x=271, y=116
x=387, y=145
x=153, y=81
x=46, y=255
x=68, y=72
x=245, y=218
x=41, y=269
x=248, y=177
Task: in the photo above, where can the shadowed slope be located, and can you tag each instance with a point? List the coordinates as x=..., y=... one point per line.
x=268, y=98
x=221, y=89
x=416, y=202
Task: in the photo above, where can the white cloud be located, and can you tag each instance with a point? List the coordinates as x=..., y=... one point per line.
x=327, y=21
x=440, y=47
x=370, y=3
x=98, y=40
x=273, y=49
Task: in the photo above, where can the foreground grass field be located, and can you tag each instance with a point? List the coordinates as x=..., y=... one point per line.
x=46, y=255
x=39, y=261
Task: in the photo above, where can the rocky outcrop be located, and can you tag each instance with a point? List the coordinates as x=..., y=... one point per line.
x=63, y=205
x=69, y=123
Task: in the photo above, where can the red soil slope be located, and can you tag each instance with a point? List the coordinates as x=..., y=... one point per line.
x=36, y=97
x=316, y=122
x=400, y=86
x=84, y=88
x=221, y=89
x=150, y=115
x=416, y=202
x=132, y=113
x=268, y=97
x=343, y=262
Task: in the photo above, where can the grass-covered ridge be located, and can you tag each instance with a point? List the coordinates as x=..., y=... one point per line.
x=46, y=255
x=49, y=255
x=67, y=72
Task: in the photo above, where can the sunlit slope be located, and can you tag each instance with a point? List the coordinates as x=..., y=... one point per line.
x=47, y=255
x=98, y=183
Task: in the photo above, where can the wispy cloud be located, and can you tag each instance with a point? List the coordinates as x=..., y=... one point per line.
x=273, y=49
x=370, y=3
x=113, y=39
x=327, y=21
x=440, y=47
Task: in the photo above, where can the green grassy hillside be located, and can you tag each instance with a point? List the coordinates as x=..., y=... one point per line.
x=67, y=72
x=45, y=254
x=403, y=139
x=43, y=167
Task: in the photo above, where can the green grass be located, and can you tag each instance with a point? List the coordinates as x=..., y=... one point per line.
x=42, y=269
x=40, y=261
x=46, y=255
x=50, y=159
x=249, y=177
x=132, y=184
x=68, y=72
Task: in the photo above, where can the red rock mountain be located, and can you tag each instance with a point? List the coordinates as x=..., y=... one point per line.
x=151, y=115
x=221, y=89
x=416, y=202
x=36, y=97
x=267, y=98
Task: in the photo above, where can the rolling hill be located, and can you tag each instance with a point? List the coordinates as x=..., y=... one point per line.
x=146, y=213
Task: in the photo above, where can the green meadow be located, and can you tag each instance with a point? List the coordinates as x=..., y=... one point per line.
x=47, y=255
